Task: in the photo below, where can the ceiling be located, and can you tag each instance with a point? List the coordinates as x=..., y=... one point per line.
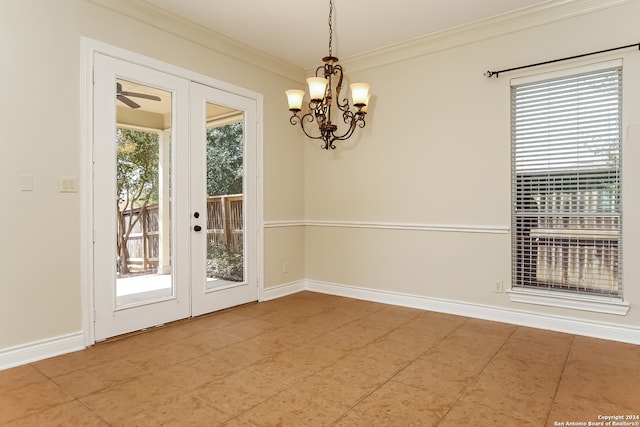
x=297, y=31
x=152, y=114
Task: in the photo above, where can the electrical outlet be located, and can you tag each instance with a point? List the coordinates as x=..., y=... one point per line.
x=285, y=267
x=499, y=288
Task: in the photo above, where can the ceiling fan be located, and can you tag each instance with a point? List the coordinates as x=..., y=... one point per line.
x=123, y=96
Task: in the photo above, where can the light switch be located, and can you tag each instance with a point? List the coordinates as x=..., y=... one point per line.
x=25, y=182
x=68, y=184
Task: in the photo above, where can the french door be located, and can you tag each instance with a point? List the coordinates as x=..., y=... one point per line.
x=169, y=242
x=223, y=203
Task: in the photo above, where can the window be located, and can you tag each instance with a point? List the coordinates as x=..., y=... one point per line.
x=566, y=179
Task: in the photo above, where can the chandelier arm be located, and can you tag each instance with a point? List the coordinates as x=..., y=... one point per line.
x=347, y=134
x=337, y=71
x=348, y=116
x=320, y=111
x=359, y=117
x=358, y=121
x=328, y=139
x=295, y=118
x=298, y=120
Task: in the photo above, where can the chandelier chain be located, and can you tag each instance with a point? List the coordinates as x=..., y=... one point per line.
x=330, y=27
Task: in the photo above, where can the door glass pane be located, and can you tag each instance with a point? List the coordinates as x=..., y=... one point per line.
x=143, y=194
x=225, y=191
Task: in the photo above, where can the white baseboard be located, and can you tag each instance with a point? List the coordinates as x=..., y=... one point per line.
x=283, y=290
x=32, y=352
x=570, y=325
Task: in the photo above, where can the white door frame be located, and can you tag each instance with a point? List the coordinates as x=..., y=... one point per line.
x=88, y=50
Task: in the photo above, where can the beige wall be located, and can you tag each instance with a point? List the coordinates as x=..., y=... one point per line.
x=436, y=153
x=40, y=283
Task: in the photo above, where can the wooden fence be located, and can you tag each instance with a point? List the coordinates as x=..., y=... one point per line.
x=224, y=225
x=144, y=240
x=225, y=221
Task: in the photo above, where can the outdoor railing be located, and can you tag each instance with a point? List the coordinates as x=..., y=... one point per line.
x=224, y=225
x=577, y=258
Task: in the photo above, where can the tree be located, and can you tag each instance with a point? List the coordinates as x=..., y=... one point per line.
x=137, y=157
x=225, y=149
x=225, y=159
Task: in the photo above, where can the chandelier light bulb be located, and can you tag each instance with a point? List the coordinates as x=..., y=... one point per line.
x=364, y=109
x=360, y=94
x=317, y=87
x=295, y=97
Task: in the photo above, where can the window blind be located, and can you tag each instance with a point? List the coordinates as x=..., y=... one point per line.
x=566, y=182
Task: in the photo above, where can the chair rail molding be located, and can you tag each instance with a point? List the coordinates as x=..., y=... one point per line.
x=458, y=228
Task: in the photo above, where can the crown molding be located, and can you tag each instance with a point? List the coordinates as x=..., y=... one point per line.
x=526, y=18
x=149, y=14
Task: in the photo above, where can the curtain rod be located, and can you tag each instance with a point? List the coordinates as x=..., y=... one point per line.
x=490, y=74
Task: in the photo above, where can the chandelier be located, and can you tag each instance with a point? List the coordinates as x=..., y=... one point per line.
x=322, y=95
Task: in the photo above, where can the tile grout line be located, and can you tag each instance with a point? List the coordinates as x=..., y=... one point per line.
x=564, y=367
x=73, y=399
x=378, y=387
x=234, y=416
x=346, y=354
x=475, y=380
x=396, y=372
x=310, y=374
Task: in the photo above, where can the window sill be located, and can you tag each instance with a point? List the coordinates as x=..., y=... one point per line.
x=567, y=300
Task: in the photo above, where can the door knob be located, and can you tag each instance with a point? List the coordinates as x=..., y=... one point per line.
x=196, y=214
x=197, y=228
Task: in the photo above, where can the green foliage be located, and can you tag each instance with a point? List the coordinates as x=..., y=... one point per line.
x=137, y=158
x=225, y=150
x=225, y=264
x=225, y=159
x=137, y=155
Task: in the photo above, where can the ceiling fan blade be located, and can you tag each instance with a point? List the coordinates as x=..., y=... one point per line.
x=127, y=101
x=141, y=95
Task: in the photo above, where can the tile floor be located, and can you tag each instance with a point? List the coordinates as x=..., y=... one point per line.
x=311, y=359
